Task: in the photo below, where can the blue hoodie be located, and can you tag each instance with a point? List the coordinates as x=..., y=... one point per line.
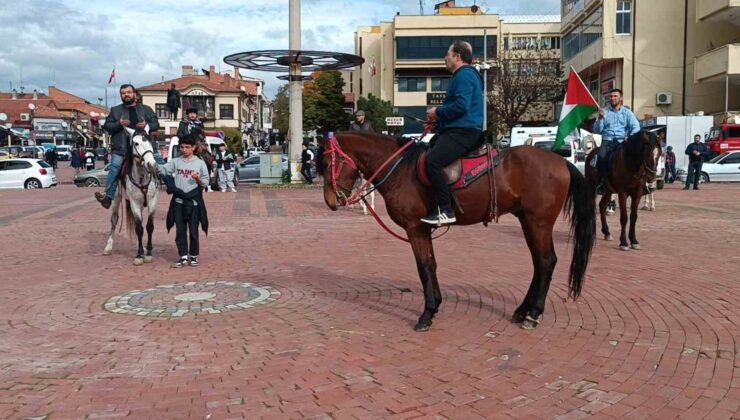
x=463, y=105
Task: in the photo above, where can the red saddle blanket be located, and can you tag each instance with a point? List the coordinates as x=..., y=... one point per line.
x=461, y=172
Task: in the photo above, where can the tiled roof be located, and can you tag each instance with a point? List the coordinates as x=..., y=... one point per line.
x=216, y=83
x=9, y=95
x=67, y=101
x=13, y=108
x=531, y=19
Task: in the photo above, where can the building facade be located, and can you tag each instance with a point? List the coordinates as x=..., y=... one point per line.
x=404, y=59
x=669, y=57
x=222, y=100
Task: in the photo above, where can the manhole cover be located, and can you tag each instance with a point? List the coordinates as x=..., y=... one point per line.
x=177, y=300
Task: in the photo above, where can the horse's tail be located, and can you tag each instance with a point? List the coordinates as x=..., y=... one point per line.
x=580, y=206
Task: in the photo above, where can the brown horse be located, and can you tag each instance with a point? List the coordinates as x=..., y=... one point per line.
x=633, y=166
x=532, y=184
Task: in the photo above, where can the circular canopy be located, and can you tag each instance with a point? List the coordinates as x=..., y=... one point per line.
x=280, y=60
x=300, y=78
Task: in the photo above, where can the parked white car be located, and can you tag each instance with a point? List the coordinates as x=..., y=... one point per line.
x=64, y=152
x=723, y=168
x=26, y=173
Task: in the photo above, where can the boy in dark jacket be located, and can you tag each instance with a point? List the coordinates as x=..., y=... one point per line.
x=186, y=176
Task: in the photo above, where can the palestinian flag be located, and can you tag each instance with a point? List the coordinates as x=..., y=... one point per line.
x=579, y=104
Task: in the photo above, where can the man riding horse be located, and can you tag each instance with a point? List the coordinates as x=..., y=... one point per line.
x=615, y=124
x=128, y=114
x=459, y=121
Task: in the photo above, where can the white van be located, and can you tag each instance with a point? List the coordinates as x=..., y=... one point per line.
x=174, y=149
x=519, y=135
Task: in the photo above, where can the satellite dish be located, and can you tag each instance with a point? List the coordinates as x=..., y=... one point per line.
x=79, y=127
x=64, y=124
x=31, y=107
x=3, y=117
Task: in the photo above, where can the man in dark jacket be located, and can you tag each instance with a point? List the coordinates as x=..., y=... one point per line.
x=128, y=114
x=696, y=152
x=360, y=123
x=173, y=101
x=190, y=124
x=459, y=120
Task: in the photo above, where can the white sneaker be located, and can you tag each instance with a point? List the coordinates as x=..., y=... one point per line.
x=233, y=190
x=224, y=190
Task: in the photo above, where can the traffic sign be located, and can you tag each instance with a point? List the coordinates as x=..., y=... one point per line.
x=394, y=121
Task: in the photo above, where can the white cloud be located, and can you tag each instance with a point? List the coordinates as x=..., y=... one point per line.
x=79, y=41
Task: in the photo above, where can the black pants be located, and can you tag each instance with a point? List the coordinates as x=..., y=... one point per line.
x=306, y=172
x=670, y=173
x=451, y=145
x=694, y=173
x=187, y=220
x=603, y=161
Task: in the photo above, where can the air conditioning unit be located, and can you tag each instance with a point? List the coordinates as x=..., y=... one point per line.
x=25, y=117
x=664, y=98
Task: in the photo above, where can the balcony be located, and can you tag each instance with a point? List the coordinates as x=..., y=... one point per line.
x=578, y=7
x=718, y=11
x=718, y=63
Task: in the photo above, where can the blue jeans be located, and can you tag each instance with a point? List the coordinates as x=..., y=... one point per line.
x=116, y=161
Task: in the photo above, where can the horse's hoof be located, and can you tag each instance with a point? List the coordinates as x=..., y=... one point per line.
x=652, y=209
x=138, y=261
x=530, y=323
x=644, y=208
x=107, y=251
x=148, y=259
x=608, y=238
x=635, y=246
x=423, y=326
x=517, y=318
x=624, y=247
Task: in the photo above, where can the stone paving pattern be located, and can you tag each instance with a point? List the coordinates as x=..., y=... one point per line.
x=653, y=336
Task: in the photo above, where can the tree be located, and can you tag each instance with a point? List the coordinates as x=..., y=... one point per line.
x=323, y=102
x=523, y=84
x=281, y=106
x=376, y=110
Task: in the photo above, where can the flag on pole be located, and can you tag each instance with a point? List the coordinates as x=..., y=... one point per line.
x=112, y=75
x=373, y=70
x=578, y=105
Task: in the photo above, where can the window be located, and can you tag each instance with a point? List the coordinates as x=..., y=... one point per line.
x=17, y=165
x=435, y=47
x=550, y=43
x=226, y=111
x=412, y=84
x=439, y=84
x=624, y=17
x=524, y=43
x=162, y=111
x=732, y=159
x=584, y=35
x=204, y=105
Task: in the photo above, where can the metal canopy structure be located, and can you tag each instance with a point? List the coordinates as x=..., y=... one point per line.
x=281, y=60
x=300, y=77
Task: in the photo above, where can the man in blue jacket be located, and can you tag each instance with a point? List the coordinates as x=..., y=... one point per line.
x=460, y=121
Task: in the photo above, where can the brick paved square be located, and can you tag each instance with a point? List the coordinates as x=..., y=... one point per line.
x=654, y=333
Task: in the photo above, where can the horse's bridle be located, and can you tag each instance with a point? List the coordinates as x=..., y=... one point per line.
x=336, y=153
x=143, y=184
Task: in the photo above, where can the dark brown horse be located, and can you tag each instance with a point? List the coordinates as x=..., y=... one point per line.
x=532, y=184
x=633, y=166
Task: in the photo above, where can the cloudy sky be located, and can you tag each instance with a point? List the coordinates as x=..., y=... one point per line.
x=78, y=42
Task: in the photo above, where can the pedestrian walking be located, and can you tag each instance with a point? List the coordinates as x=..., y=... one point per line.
x=670, y=165
x=225, y=167
x=90, y=160
x=76, y=160
x=186, y=176
x=696, y=152
x=306, y=162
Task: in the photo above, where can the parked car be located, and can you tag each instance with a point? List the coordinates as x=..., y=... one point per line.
x=248, y=170
x=13, y=150
x=26, y=173
x=100, y=153
x=64, y=152
x=722, y=168
x=37, y=151
x=94, y=178
x=5, y=155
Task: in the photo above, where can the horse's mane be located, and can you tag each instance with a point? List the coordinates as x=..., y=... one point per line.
x=633, y=144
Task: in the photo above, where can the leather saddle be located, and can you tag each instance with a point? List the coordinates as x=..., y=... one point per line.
x=464, y=171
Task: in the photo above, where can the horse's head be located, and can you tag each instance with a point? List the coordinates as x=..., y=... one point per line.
x=339, y=171
x=648, y=150
x=143, y=151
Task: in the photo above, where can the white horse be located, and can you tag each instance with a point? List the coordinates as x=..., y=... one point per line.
x=370, y=197
x=140, y=188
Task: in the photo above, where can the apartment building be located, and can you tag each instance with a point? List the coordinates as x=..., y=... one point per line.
x=670, y=57
x=404, y=58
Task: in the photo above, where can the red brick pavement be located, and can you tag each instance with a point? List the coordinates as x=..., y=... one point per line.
x=654, y=334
